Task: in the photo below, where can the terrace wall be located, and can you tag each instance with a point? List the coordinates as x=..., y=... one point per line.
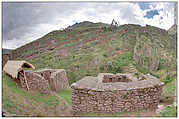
x=115, y=101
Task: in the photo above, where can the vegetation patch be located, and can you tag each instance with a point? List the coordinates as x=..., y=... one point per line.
x=41, y=98
x=66, y=95
x=168, y=92
x=119, y=62
x=169, y=111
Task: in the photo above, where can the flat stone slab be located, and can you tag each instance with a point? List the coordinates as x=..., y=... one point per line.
x=97, y=84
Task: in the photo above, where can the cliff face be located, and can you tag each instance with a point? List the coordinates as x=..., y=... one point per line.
x=147, y=53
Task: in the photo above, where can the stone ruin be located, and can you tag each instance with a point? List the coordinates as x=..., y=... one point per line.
x=109, y=93
x=44, y=81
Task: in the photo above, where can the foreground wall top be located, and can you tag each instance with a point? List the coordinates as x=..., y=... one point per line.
x=111, y=82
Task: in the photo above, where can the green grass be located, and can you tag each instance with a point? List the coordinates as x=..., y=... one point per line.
x=89, y=60
x=140, y=68
x=120, y=61
x=169, y=111
x=119, y=114
x=41, y=98
x=169, y=91
x=23, y=103
x=66, y=95
x=9, y=105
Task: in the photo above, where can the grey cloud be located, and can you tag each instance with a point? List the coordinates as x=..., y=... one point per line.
x=21, y=20
x=18, y=18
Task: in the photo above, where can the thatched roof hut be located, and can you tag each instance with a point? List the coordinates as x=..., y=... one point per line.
x=12, y=67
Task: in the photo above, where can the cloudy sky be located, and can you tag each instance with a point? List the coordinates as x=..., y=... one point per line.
x=25, y=22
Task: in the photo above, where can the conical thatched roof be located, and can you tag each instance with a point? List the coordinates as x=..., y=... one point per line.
x=12, y=67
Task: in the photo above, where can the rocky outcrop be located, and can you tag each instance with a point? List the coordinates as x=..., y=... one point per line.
x=146, y=53
x=92, y=94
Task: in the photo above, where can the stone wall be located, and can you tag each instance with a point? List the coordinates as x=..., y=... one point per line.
x=35, y=82
x=85, y=100
x=117, y=101
x=45, y=80
x=58, y=80
x=113, y=78
x=5, y=58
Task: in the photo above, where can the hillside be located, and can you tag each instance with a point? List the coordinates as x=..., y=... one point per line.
x=86, y=49
x=6, y=51
x=172, y=30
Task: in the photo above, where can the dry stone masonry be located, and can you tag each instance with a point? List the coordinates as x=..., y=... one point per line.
x=45, y=80
x=5, y=58
x=109, y=93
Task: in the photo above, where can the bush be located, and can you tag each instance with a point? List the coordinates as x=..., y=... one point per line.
x=76, y=66
x=117, y=48
x=105, y=55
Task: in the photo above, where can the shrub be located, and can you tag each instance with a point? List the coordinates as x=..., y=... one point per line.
x=105, y=55
x=76, y=66
x=117, y=48
x=137, y=74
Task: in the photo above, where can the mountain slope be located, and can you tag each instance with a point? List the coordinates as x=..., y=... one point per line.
x=90, y=48
x=6, y=51
x=84, y=50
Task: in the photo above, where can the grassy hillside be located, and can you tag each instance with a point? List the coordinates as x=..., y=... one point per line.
x=18, y=102
x=88, y=49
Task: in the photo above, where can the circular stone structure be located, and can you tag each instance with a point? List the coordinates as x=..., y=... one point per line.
x=115, y=93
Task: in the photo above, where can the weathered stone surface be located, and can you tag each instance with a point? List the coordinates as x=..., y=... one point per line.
x=147, y=53
x=45, y=80
x=98, y=96
x=35, y=82
x=5, y=58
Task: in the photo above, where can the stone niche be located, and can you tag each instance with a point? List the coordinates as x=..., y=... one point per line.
x=109, y=93
x=45, y=80
x=115, y=78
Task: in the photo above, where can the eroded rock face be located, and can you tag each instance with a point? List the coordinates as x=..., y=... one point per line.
x=46, y=80
x=91, y=94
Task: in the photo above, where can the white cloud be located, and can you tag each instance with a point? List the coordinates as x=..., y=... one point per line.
x=96, y=12
x=166, y=11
